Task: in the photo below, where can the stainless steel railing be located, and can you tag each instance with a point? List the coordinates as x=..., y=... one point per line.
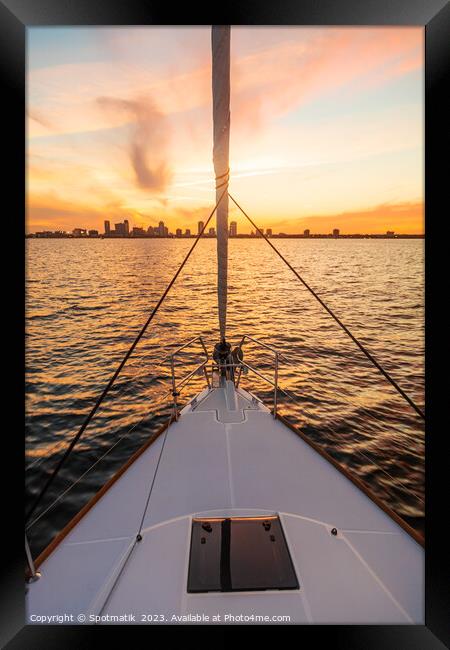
x=232, y=369
x=201, y=368
x=277, y=357
x=33, y=575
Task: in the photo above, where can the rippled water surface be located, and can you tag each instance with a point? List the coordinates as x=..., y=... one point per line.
x=87, y=299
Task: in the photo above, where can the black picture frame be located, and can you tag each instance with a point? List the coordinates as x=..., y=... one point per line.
x=434, y=15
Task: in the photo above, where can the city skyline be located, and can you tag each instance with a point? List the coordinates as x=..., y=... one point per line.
x=122, y=229
x=326, y=127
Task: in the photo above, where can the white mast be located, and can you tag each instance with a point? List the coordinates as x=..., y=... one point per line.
x=220, y=39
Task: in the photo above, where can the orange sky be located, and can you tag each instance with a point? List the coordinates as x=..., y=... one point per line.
x=326, y=127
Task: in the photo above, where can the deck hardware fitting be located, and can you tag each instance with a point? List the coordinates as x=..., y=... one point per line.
x=34, y=577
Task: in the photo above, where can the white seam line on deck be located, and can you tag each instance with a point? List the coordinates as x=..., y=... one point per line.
x=184, y=592
x=377, y=579
x=301, y=591
x=230, y=471
x=95, y=541
x=100, y=598
x=371, y=532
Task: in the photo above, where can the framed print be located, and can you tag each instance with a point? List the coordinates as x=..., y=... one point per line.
x=229, y=223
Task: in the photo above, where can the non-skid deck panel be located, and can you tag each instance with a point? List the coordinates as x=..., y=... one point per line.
x=227, y=409
x=156, y=578
x=254, y=467
x=207, y=465
x=285, y=474
x=215, y=400
x=341, y=587
x=72, y=577
x=336, y=584
x=399, y=564
x=153, y=582
x=119, y=511
x=193, y=471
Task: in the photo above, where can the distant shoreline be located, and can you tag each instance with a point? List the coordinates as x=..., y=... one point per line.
x=279, y=236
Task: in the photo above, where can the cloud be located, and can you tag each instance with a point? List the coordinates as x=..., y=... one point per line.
x=94, y=136
x=36, y=116
x=275, y=80
x=147, y=140
x=271, y=79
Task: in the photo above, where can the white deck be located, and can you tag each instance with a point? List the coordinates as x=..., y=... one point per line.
x=230, y=457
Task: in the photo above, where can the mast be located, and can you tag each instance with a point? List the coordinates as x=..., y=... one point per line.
x=220, y=41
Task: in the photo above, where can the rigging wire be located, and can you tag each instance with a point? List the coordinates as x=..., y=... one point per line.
x=56, y=447
x=376, y=414
x=50, y=451
x=357, y=451
x=162, y=400
x=334, y=434
x=72, y=485
x=119, y=368
x=333, y=315
x=138, y=536
x=91, y=467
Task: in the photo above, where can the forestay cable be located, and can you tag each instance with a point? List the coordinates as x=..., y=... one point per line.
x=333, y=315
x=119, y=368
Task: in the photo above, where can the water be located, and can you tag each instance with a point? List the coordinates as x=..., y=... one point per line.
x=87, y=299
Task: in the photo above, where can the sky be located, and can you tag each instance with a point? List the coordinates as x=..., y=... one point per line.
x=326, y=127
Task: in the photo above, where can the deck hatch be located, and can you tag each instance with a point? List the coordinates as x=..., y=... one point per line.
x=239, y=554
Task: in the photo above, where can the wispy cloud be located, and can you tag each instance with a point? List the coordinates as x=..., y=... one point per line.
x=36, y=116
x=147, y=142
x=266, y=83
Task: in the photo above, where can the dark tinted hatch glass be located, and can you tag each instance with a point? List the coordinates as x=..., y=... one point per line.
x=239, y=554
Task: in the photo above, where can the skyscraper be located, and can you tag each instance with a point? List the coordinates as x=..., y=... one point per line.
x=336, y=232
x=268, y=232
x=306, y=232
x=233, y=229
x=200, y=226
x=212, y=232
x=126, y=227
x=107, y=227
x=161, y=229
x=178, y=232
